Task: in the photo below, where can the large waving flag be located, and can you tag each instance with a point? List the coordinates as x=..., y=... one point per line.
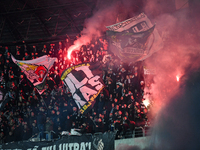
x=37, y=69
x=85, y=83
x=134, y=39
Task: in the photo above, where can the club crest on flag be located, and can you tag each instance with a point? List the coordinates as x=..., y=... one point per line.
x=33, y=72
x=37, y=69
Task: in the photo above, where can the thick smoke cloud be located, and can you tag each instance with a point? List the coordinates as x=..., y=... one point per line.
x=177, y=124
x=180, y=52
x=176, y=104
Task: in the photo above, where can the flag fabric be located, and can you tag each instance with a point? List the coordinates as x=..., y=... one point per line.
x=41, y=87
x=37, y=69
x=85, y=83
x=134, y=39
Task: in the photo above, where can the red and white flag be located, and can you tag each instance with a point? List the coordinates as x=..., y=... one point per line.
x=37, y=69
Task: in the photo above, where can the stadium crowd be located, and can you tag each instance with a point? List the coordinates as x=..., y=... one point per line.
x=25, y=113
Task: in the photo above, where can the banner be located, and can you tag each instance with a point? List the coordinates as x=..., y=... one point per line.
x=85, y=83
x=37, y=69
x=134, y=39
x=84, y=142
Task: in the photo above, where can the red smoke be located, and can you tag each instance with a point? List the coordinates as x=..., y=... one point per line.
x=179, y=32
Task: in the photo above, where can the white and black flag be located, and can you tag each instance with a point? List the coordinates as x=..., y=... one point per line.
x=85, y=83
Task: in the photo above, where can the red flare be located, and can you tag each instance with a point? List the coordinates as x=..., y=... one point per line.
x=177, y=78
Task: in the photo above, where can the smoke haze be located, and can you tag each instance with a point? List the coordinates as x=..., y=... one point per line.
x=107, y=12
x=176, y=104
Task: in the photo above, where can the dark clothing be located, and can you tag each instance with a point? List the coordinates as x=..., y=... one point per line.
x=34, y=130
x=26, y=134
x=10, y=138
x=41, y=119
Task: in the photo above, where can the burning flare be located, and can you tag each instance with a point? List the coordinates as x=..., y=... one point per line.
x=83, y=40
x=72, y=48
x=177, y=78
x=146, y=102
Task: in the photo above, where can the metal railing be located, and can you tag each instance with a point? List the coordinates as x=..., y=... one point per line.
x=142, y=131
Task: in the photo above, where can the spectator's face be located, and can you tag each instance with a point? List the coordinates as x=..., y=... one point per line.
x=58, y=113
x=117, y=107
x=48, y=119
x=32, y=114
x=74, y=109
x=59, y=128
x=1, y=134
x=120, y=113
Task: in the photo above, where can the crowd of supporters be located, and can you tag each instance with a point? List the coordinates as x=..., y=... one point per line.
x=25, y=113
